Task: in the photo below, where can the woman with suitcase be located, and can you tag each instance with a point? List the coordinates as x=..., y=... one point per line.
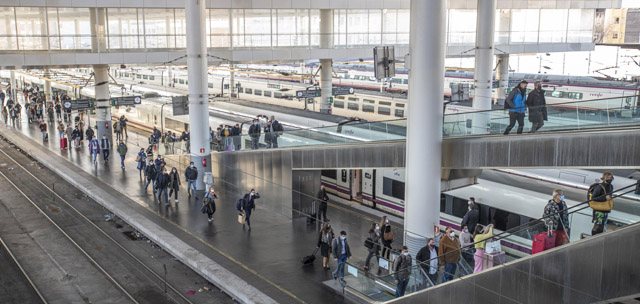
x=324, y=242
x=209, y=204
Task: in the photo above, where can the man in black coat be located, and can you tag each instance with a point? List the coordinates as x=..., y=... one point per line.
x=537, y=103
x=472, y=216
x=323, y=198
x=254, y=132
x=427, y=258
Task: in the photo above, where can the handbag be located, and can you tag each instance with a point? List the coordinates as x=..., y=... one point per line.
x=368, y=243
x=492, y=246
x=388, y=235
x=242, y=218
x=601, y=206
x=138, y=159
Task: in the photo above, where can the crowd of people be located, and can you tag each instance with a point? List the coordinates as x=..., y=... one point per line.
x=229, y=138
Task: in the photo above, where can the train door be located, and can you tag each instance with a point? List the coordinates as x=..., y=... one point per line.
x=368, y=187
x=356, y=185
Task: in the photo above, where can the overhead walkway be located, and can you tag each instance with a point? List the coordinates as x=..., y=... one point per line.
x=587, y=134
x=588, y=269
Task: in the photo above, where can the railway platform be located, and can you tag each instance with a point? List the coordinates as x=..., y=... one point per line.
x=253, y=266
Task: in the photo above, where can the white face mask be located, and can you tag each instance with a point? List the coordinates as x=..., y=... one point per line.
x=452, y=234
x=405, y=253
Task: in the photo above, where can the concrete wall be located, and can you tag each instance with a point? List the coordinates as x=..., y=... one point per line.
x=591, y=270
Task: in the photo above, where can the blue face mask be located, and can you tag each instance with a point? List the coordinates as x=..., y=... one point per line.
x=343, y=238
x=562, y=197
x=405, y=253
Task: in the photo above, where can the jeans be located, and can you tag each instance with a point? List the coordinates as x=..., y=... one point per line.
x=95, y=155
x=122, y=160
x=254, y=143
x=174, y=190
x=166, y=194
x=191, y=184
x=449, y=271
x=513, y=117
x=61, y=134
x=432, y=276
x=342, y=261
x=105, y=154
x=369, y=256
x=401, y=287
x=44, y=135
x=322, y=212
x=274, y=141
x=151, y=181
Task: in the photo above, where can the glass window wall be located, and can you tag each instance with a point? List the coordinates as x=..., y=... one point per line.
x=124, y=26
x=32, y=28
x=462, y=27
x=524, y=25
x=8, y=34
x=554, y=27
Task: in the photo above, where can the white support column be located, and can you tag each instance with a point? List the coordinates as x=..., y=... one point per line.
x=198, y=91
x=424, y=129
x=170, y=76
x=97, y=20
x=502, y=76
x=483, y=75
x=232, y=81
x=14, y=85
x=48, y=97
x=103, y=106
x=326, y=42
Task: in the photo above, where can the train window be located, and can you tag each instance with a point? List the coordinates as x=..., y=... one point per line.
x=138, y=76
x=248, y=91
x=354, y=106
x=145, y=77
x=384, y=103
x=126, y=74
x=257, y=92
x=393, y=188
x=399, y=113
x=405, y=81
x=557, y=94
x=267, y=93
x=460, y=207
x=396, y=80
x=384, y=111
x=152, y=77
x=277, y=95
x=332, y=174
x=368, y=109
x=240, y=90
x=338, y=104
x=503, y=220
x=573, y=95
x=399, y=105
x=181, y=81
x=368, y=101
x=339, y=97
x=443, y=203
x=353, y=99
x=210, y=85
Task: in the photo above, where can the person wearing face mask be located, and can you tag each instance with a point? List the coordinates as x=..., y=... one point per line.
x=556, y=217
x=374, y=241
x=324, y=242
x=480, y=235
x=466, y=242
x=105, y=146
x=515, y=103
x=191, y=176
x=472, y=216
x=601, y=201
x=150, y=173
x=402, y=271
x=341, y=253
x=248, y=205
x=209, y=204
x=536, y=103
x=254, y=133
x=387, y=237
x=174, y=183
x=449, y=253
x=427, y=258
x=163, y=184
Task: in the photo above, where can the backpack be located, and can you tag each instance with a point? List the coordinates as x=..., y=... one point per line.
x=368, y=243
x=239, y=204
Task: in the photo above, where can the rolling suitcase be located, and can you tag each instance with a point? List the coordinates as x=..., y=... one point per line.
x=493, y=259
x=311, y=219
x=63, y=143
x=310, y=258
x=542, y=241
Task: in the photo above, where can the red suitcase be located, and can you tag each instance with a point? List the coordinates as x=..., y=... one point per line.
x=542, y=241
x=63, y=143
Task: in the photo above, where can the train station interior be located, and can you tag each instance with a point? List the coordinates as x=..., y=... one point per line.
x=305, y=151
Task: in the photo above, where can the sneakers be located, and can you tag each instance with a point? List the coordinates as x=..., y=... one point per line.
x=176, y=201
x=335, y=276
x=210, y=220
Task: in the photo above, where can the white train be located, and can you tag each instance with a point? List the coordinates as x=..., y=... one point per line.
x=503, y=205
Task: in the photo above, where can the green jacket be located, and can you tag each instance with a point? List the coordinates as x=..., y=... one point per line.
x=122, y=149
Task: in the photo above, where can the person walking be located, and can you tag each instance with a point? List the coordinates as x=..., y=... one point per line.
x=163, y=186
x=480, y=236
x=5, y=115
x=324, y=199
x=61, y=130
x=254, y=133
x=160, y=164
x=122, y=151
x=209, y=204
x=89, y=133
x=75, y=135
x=43, y=129
x=387, y=237
x=248, y=205
x=94, y=147
x=374, y=242
x=515, y=103
x=191, y=176
x=557, y=217
x=174, y=183
x=276, y=130
x=69, y=131
x=427, y=258
x=537, y=105
x=50, y=114
x=123, y=126
x=117, y=129
x=141, y=159
x=150, y=173
x=324, y=242
x=341, y=253
x=58, y=108
x=402, y=271
x=449, y=254
x=602, y=193
x=105, y=146
x=472, y=216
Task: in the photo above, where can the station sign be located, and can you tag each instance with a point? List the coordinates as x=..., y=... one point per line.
x=342, y=91
x=308, y=93
x=126, y=101
x=79, y=104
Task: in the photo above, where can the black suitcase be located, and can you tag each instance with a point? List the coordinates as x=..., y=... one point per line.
x=310, y=258
x=311, y=218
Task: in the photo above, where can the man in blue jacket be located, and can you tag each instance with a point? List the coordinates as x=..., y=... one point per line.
x=515, y=103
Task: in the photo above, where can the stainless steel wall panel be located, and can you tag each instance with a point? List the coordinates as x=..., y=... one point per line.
x=331, y=158
x=307, y=158
x=317, y=156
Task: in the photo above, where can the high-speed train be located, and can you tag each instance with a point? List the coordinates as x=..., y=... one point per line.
x=506, y=206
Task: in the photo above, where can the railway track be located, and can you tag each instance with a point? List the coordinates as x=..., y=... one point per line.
x=17, y=286
x=40, y=195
